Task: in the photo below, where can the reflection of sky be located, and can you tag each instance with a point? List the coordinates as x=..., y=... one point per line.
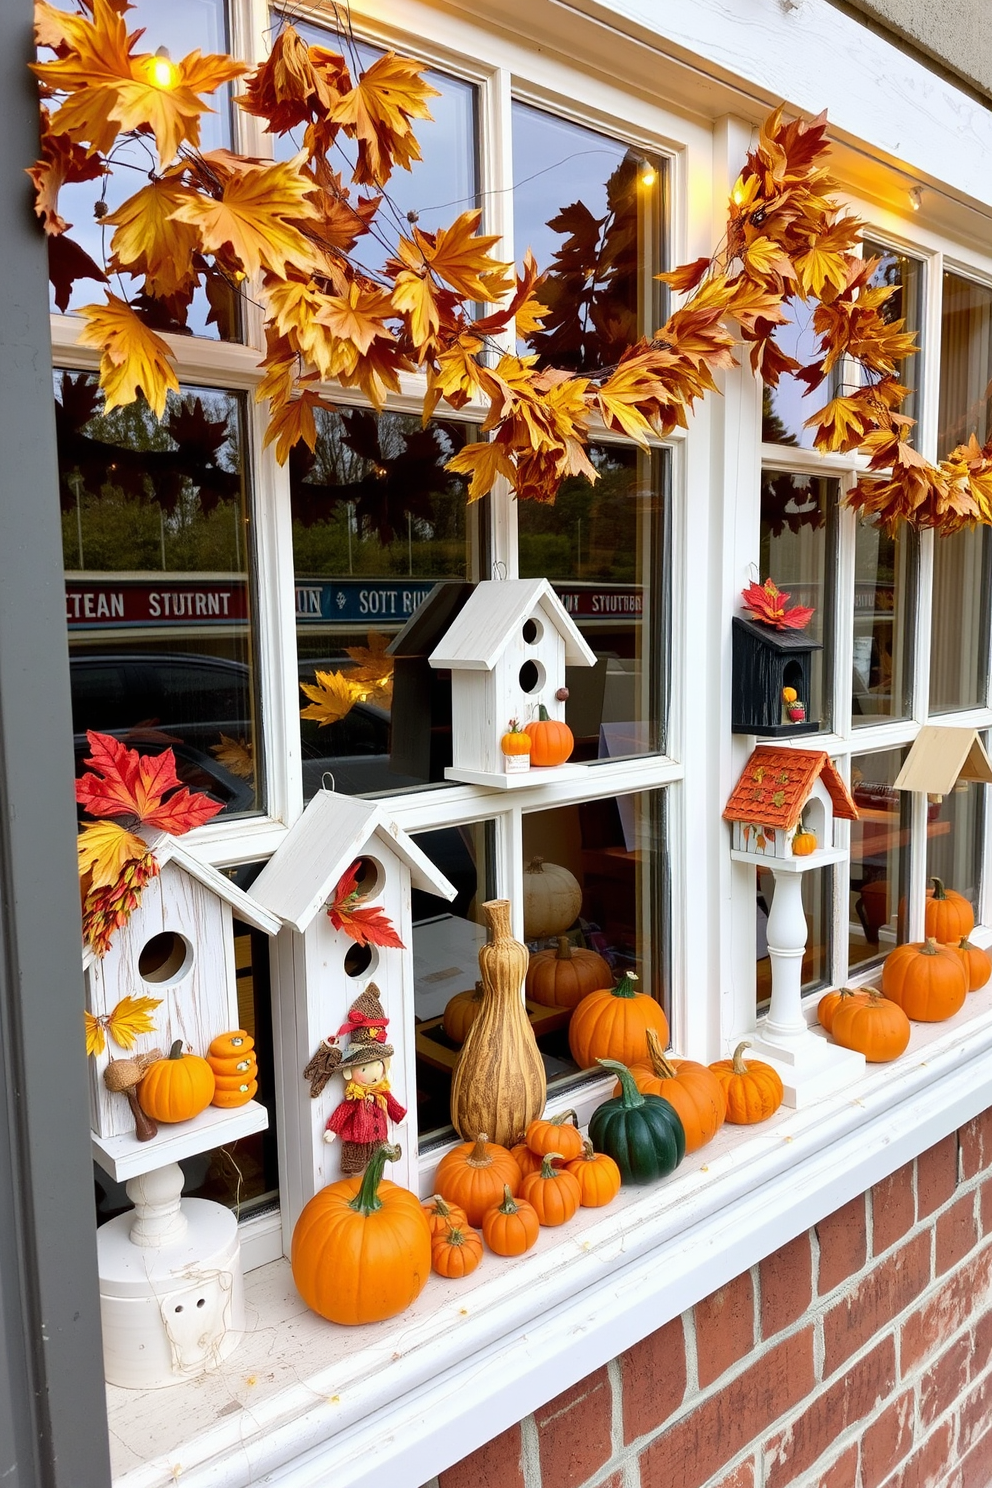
x=799, y=340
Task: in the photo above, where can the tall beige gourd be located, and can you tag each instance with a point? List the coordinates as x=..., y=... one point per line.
x=499, y=1085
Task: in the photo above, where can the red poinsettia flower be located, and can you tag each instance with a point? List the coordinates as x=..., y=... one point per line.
x=767, y=604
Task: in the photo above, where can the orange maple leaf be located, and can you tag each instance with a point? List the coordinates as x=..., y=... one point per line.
x=152, y=241
x=483, y=462
x=142, y=789
x=367, y=925
x=62, y=161
x=461, y=257
x=133, y=358
x=767, y=603
x=377, y=112
x=293, y=421
x=254, y=214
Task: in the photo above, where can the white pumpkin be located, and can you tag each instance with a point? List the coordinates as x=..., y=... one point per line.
x=552, y=899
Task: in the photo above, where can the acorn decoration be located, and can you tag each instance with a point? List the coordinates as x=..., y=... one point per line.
x=123, y=1076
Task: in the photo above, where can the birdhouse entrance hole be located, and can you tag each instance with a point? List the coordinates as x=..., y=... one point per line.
x=167, y=957
x=792, y=676
x=532, y=631
x=369, y=877
x=360, y=961
x=531, y=676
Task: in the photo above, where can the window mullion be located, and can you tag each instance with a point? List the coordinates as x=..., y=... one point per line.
x=844, y=596
x=496, y=176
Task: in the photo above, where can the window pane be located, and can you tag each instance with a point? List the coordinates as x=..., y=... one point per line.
x=955, y=839
x=786, y=407
x=959, y=621
x=965, y=362
x=584, y=205
x=880, y=848
x=156, y=539
x=798, y=551
x=816, y=889
x=602, y=546
x=378, y=527
x=884, y=602
x=905, y=275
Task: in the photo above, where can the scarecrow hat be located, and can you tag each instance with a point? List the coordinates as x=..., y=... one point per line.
x=366, y=1030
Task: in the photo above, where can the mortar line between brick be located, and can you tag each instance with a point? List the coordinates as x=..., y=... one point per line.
x=530, y=1452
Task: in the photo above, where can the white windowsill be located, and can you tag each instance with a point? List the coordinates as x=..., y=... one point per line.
x=303, y=1403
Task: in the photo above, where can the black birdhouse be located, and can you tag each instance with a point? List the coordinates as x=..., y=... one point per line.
x=766, y=663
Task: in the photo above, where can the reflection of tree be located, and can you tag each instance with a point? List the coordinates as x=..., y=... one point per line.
x=786, y=503
x=773, y=430
x=591, y=531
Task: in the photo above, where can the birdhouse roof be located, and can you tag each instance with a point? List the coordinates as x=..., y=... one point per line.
x=785, y=641
x=169, y=849
x=776, y=783
x=494, y=612
x=940, y=757
x=333, y=831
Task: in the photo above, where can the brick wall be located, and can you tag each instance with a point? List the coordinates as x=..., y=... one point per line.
x=857, y=1356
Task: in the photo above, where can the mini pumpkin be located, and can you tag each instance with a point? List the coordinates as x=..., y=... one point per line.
x=803, y=842
x=178, y=1087
x=515, y=741
x=443, y=1216
x=456, y=1251
x=528, y=1162
x=831, y=1001
x=875, y=1026
x=691, y=1088
x=977, y=963
x=232, y=1058
x=511, y=1228
x=928, y=981
x=562, y=977
x=474, y=1174
x=612, y=1023
x=949, y=915
x=753, y=1090
x=598, y=1177
x=558, y=1134
x=554, y=1192
x=551, y=742
x=642, y=1133
x=461, y=1012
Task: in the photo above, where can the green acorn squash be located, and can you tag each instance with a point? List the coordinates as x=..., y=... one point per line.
x=642, y=1133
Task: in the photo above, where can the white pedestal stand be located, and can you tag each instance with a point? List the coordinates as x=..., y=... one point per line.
x=171, y=1291
x=809, y=1066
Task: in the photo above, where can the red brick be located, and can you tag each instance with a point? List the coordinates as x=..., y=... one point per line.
x=965, y=1294
x=843, y=1473
x=936, y=1175
x=854, y=1396
x=985, y=1206
x=887, y=1440
x=975, y=1467
x=929, y=1465
x=843, y=1241
x=981, y=1345
x=878, y=1297
x=653, y=1379
x=499, y=1464
x=975, y=1415
x=574, y=1432
x=786, y=1285
x=741, y=1477
x=944, y=1381
x=893, y=1208
x=975, y=1145
x=615, y=1480
x=694, y=1449
x=724, y=1328
x=957, y=1234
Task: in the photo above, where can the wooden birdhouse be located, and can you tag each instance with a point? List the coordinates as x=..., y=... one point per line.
x=778, y=790
x=420, y=718
x=507, y=652
x=771, y=684
x=320, y=970
x=178, y=946
x=940, y=757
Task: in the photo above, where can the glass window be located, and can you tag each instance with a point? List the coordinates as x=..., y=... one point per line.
x=956, y=839
x=590, y=209
x=602, y=546
x=816, y=891
x=880, y=856
x=965, y=362
x=385, y=550
x=799, y=551
x=786, y=407
x=884, y=604
x=959, y=620
x=905, y=275
x=156, y=546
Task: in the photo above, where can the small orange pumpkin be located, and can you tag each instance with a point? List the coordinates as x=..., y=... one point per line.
x=443, y=1216
x=528, y=1162
x=562, y=977
x=803, y=842
x=456, y=1252
x=597, y=1175
x=831, y=1001
x=511, y=1228
x=876, y=1027
x=554, y=1134
x=691, y=1088
x=977, y=963
x=461, y=1012
x=949, y=916
x=554, y=1192
x=612, y=1023
x=474, y=1174
x=178, y=1087
x=551, y=742
x=928, y=981
x=754, y=1090
x=515, y=741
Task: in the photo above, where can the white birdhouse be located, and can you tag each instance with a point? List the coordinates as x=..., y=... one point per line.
x=320, y=971
x=507, y=651
x=178, y=945
x=779, y=790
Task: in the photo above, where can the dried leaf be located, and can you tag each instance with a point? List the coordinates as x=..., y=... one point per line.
x=134, y=360
x=332, y=697
x=145, y=789
x=767, y=603
x=365, y=925
x=124, y=1023
x=254, y=215
x=236, y=755
x=377, y=112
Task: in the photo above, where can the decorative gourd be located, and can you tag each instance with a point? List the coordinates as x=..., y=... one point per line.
x=361, y=1248
x=551, y=742
x=511, y=1228
x=612, y=1023
x=642, y=1133
x=928, y=981
x=456, y=1252
x=552, y=899
x=499, y=1085
x=803, y=842
x=562, y=977
x=461, y=1012
x=977, y=963
x=178, y=1087
x=554, y=1192
x=831, y=1001
x=232, y=1058
x=598, y=1177
x=691, y=1088
x=948, y=915
x=443, y=1216
x=554, y=1134
x=474, y=1175
x=876, y=1027
x=754, y=1091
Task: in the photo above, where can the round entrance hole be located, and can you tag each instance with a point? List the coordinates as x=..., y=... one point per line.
x=369, y=877
x=531, y=676
x=360, y=961
x=167, y=957
x=532, y=631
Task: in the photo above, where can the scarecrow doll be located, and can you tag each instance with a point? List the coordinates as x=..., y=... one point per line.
x=361, y=1120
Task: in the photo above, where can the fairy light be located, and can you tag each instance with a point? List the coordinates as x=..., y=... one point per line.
x=647, y=174
x=161, y=70
x=916, y=198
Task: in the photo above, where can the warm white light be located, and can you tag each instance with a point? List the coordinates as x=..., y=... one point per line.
x=648, y=174
x=161, y=70
x=916, y=198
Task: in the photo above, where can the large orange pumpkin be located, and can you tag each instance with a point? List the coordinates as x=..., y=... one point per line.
x=977, y=963
x=474, y=1174
x=875, y=1026
x=361, y=1248
x=691, y=1088
x=178, y=1087
x=753, y=1090
x=948, y=915
x=551, y=742
x=562, y=977
x=612, y=1023
x=928, y=981
x=461, y=1012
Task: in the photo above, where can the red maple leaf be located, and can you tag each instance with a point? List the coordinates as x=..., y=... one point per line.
x=126, y=784
x=366, y=926
x=767, y=604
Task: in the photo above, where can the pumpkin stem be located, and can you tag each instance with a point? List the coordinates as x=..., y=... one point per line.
x=454, y=1236
x=588, y=1150
x=740, y=1068
x=630, y=1094
x=561, y=1119
x=548, y=1169
x=939, y=891
x=564, y=952
x=509, y=1204
x=625, y=986
x=439, y=1206
x=930, y=946
x=479, y=1157
x=176, y=1052
x=659, y=1063
x=964, y=944
x=367, y=1200
x=542, y=713
x=536, y=865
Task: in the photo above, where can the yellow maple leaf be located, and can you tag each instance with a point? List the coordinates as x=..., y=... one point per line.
x=357, y=317
x=133, y=358
x=252, y=215
x=292, y=422
x=332, y=696
x=483, y=462
x=460, y=256
x=414, y=295
x=151, y=241
x=103, y=848
x=124, y=1023
x=377, y=112
x=373, y=664
x=619, y=396
x=236, y=755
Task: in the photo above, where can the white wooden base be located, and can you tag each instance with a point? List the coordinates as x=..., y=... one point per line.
x=518, y=780
x=809, y=1067
x=125, y=1157
x=818, y=859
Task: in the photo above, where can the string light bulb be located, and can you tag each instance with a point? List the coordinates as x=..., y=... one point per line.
x=916, y=198
x=646, y=173
x=161, y=70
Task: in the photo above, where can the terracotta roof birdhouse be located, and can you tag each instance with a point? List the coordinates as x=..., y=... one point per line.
x=785, y=803
x=507, y=651
x=340, y=883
